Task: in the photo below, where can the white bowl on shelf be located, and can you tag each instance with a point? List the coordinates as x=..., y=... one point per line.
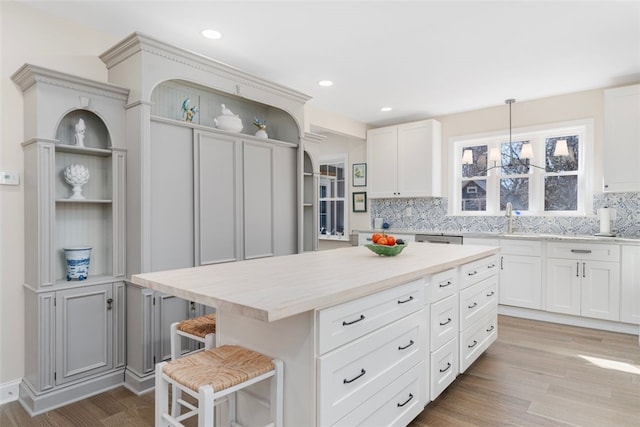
x=228, y=122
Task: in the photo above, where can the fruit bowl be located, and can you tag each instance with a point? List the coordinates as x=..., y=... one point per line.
x=384, y=250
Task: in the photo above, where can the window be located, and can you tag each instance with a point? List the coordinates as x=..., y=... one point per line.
x=332, y=197
x=490, y=171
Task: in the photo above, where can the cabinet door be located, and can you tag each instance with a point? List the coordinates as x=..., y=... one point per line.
x=382, y=159
x=630, y=285
x=169, y=309
x=285, y=207
x=84, y=331
x=419, y=160
x=218, y=208
x=563, y=285
x=601, y=290
x=622, y=139
x=258, y=200
x=521, y=281
x=171, y=197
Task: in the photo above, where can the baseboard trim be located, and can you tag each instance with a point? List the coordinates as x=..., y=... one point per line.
x=9, y=391
x=139, y=385
x=565, y=319
x=36, y=404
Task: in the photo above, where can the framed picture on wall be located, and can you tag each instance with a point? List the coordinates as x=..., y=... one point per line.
x=359, y=202
x=359, y=175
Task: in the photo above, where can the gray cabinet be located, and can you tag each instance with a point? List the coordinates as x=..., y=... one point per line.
x=74, y=329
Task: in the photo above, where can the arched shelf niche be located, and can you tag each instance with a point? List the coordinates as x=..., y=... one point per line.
x=96, y=132
x=168, y=96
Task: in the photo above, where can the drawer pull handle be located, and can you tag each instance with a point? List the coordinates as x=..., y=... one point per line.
x=407, y=300
x=472, y=305
x=490, y=294
x=445, y=369
x=444, y=285
x=580, y=251
x=447, y=322
x=404, y=347
x=473, y=345
x=345, y=323
x=400, y=405
x=491, y=328
x=346, y=381
x=472, y=273
x=491, y=265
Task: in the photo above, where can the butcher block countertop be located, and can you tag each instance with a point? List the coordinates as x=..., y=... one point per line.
x=269, y=289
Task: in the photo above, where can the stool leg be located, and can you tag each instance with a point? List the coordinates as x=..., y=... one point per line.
x=161, y=397
x=176, y=351
x=209, y=341
x=206, y=407
x=277, y=394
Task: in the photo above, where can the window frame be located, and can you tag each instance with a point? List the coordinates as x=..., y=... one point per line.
x=537, y=135
x=330, y=159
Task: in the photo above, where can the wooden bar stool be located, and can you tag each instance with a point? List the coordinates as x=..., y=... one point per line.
x=201, y=329
x=213, y=374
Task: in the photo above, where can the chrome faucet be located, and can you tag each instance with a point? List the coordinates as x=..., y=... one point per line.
x=509, y=215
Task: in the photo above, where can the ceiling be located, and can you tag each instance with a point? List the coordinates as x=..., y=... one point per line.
x=422, y=58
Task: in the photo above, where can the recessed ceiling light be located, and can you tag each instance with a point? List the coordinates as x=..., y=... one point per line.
x=385, y=109
x=212, y=34
x=325, y=83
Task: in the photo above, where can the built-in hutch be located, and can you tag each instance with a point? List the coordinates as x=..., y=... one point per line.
x=74, y=329
x=197, y=192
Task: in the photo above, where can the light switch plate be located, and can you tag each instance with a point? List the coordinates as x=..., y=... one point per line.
x=9, y=178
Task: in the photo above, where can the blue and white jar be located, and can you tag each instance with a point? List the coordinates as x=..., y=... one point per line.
x=78, y=258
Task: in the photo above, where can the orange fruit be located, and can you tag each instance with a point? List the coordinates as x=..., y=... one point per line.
x=382, y=241
x=391, y=240
x=376, y=237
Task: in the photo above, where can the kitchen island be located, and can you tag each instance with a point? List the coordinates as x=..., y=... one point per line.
x=293, y=307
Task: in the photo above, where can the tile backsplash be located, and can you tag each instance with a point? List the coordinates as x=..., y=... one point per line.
x=430, y=214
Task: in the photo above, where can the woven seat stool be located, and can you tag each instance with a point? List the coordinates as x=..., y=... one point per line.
x=201, y=329
x=214, y=374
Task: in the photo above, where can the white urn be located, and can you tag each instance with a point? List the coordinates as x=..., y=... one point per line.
x=76, y=176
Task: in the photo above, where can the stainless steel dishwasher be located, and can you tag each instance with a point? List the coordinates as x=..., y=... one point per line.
x=439, y=238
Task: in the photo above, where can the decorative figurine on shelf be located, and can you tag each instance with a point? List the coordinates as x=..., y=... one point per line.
x=227, y=120
x=76, y=176
x=80, y=131
x=262, y=126
x=188, y=113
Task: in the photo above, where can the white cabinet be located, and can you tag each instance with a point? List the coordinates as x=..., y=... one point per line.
x=622, y=139
x=583, y=280
x=74, y=329
x=365, y=348
x=521, y=273
x=630, y=284
x=405, y=160
x=441, y=363
x=478, y=309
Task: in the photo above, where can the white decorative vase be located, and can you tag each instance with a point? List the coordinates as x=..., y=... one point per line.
x=78, y=258
x=76, y=176
x=261, y=133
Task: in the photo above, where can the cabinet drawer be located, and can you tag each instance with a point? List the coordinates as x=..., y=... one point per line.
x=521, y=247
x=444, y=367
x=441, y=285
x=476, y=271
x=584, y=251
x=352, y=374
x=477, y=338
x=394, y=405
x=345, y=322
x=478, y=300
x=444, y=321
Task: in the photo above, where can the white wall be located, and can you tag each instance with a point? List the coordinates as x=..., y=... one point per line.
x=28, y=36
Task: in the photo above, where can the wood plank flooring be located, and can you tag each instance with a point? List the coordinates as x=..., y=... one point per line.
x=535, y=374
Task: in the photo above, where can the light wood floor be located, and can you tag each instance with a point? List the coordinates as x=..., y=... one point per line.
x=535, y=374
